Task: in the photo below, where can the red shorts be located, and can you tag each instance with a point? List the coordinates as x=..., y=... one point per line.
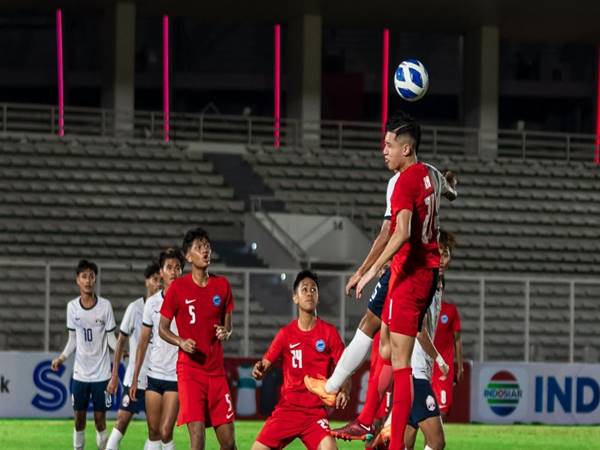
x=204, y=398
x=443, y=389
x=407, y=303
x=287, y=424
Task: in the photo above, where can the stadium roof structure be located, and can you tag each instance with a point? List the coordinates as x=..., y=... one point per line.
x=531, y=19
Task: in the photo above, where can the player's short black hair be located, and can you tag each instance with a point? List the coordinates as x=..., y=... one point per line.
x=191, y=236
x=305, y=274
x=84, y=265
x=447, y=240
x=169, y=253
x=403, y=123
x=151, y=269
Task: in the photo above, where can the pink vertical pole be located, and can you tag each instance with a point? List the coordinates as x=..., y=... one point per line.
x=597, y=149
x=385, y=67
x=277, y=87
x=165, y=25
x=59, y=64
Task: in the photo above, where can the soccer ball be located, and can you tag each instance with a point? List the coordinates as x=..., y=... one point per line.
x=411, y=80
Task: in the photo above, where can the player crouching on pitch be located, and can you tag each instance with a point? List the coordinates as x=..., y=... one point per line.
x=307, y=346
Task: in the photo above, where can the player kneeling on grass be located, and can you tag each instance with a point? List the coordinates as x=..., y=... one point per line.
x=307, y=346
x=90, y=322
x=131, y=328
x=202, y=305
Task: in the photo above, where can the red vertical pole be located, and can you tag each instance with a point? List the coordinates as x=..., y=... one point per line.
x=597, y=146
x=385, y=66
x=165, y=26
x=59, y=57
x=277, y=87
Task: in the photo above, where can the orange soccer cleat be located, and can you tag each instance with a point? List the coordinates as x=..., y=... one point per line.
x=317, y=387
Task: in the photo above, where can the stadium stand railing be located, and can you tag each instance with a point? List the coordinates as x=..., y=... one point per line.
x=326, y=134
x=503, y=317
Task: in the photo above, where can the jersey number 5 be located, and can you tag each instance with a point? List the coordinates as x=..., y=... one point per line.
x=192, y=314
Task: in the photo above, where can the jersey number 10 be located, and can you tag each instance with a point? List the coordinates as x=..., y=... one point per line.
x=87, y=334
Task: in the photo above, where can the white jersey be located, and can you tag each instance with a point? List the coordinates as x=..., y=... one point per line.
x=421, y=362
x=441, y=187
x=131, y=326
x=388, y=196
x=91, y=326
x=162, y=360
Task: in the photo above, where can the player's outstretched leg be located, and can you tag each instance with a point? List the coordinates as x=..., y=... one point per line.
x=352, y=358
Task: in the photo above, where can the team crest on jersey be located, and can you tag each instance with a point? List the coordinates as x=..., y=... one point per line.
x=101, y=322
x=430, y=403
x=320, y=345
x=216, y=300
x=444, y=319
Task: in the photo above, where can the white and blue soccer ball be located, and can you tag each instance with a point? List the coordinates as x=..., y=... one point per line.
x=411, y=80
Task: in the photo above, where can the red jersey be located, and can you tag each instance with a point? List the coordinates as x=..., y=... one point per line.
x=196, y=311
x=415, y=192
x=448, y=324
x=313, y=353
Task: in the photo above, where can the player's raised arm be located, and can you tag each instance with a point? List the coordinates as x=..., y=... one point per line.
x=378, y=245
x=397, y=240
x=449, y=189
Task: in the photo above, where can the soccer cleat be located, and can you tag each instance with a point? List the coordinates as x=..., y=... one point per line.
x=382, y=441
x=353, y=431
x=375, y=429
x=317, y=387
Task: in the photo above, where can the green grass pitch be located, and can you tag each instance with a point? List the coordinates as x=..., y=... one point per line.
x=57, y=434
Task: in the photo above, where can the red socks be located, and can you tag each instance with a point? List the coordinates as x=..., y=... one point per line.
x=403, y=399
x=380, y=379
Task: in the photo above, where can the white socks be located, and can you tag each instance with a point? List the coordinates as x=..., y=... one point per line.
x=427, y=447
x=114, y=439
x=101, y=438
x=78, y=439
x=351, y=359
x=152, y=445
x=168, y=445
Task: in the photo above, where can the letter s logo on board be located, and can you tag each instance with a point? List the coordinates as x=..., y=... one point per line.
x=51, y=385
